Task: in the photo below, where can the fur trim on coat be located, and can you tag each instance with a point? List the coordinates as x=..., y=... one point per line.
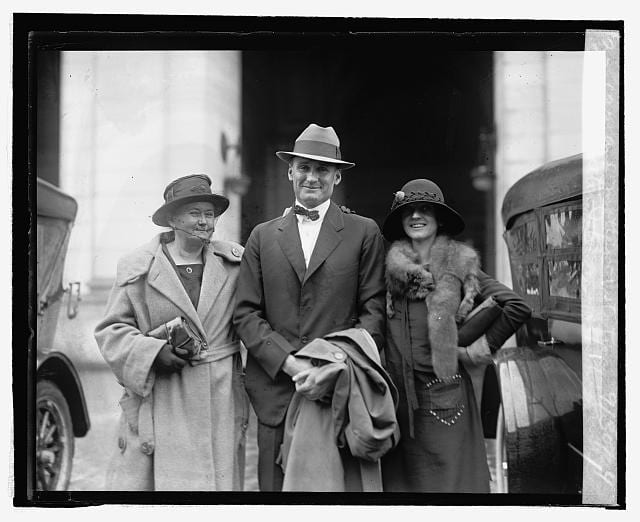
x=448, y=284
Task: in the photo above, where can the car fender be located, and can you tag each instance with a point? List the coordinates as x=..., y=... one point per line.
x=59, y=369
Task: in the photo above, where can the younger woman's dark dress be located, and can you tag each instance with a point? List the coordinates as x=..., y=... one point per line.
x=442, y=443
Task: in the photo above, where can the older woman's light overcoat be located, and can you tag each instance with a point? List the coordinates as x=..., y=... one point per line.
x=186, y=430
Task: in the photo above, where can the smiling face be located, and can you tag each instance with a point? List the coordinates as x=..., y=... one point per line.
x=419, y=221
x=193, y=221
x=313, y=181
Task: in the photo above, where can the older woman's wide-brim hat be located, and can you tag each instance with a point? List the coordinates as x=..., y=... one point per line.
x=420, y=191
x=187, y=189
x=317, y=143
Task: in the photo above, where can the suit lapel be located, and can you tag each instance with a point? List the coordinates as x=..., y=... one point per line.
x=214, y=277
x=328, y=239
x=163, y=278
x=289, y=241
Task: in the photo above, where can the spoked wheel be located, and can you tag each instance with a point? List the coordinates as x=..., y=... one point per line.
x=54, y=439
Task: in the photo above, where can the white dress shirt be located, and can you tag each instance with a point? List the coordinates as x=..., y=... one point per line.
x=309, y=230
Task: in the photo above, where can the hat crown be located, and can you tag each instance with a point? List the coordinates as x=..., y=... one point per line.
x=322, y=134
x=187, y=189
x=422, y=190
x=191, y=185
x=317, y=143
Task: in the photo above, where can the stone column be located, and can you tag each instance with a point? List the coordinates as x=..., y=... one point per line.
x=537, y=100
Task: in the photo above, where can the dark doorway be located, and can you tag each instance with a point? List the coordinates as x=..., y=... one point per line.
x=48, y=116
x=400, y=113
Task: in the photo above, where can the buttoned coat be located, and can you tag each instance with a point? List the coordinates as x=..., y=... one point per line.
x=186, y=430
x=282, y=305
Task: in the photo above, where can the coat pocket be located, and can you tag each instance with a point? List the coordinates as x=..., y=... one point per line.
x=444, y=400
x=442, y=396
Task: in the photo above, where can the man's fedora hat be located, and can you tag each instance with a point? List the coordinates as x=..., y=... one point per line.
x=194, y=187
x=317, y=143
x=420, y=191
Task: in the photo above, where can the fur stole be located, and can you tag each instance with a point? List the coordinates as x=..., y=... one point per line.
x=448, y=284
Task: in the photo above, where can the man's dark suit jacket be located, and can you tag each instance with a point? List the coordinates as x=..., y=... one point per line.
x=281, y=305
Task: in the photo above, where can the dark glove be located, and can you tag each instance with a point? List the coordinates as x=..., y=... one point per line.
x=180, y=336
x=167, y=362
x=183, y=349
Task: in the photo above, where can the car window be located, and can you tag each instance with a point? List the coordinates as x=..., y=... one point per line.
x=523, y=238
x=528, y=278
x=524, y=252
x=545, y=252
x=564, y=278
x=563, y=227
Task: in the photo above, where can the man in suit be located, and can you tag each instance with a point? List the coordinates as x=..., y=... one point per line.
x=315, y=270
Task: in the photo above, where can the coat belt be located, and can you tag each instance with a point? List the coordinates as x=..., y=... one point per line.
x=216, y=353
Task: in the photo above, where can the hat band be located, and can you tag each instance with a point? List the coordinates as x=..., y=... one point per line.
x=401, y=198
x=317, y=148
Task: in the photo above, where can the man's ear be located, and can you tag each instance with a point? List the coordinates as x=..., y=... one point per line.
x=290, y=173
x=338, y=177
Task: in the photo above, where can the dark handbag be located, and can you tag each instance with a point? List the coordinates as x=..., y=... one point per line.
x=478, y=321
x=179, y=334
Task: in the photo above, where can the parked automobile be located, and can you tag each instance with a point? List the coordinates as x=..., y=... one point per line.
x=540, y=423
x=61, y=411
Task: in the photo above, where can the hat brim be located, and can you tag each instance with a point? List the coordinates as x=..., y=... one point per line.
x=160, y=217
x=286, y=156
x=452, y=222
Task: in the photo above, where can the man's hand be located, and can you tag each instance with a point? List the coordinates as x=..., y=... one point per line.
x=317, y=382
x=294, y=365
x=167, y=362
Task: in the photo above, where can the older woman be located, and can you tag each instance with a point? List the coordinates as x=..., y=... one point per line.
x=432, y=284
x=184, y=408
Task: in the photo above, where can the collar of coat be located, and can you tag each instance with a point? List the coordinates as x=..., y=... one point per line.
x=137, y=263
x=406, y=276
x=448, y=284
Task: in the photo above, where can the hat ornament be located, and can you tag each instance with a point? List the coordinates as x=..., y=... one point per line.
x=403, y=198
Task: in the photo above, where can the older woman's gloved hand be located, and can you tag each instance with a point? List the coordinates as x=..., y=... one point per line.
x=168, y=362
x=186, y=350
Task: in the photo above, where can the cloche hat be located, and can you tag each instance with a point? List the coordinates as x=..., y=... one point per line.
x=194, y=187
x=317, y=143
x=420, y=191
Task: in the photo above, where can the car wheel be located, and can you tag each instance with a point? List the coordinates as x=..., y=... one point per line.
x=54, y=438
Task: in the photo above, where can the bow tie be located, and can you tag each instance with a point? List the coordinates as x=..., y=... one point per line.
x=301, y=211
